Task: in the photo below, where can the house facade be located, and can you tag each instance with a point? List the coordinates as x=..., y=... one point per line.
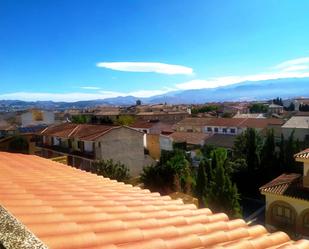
x=287, y=200
x=37, y=117
x=85, y=144
x=299, y=125
x=227, y=126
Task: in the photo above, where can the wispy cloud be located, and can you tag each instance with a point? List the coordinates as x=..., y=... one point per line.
x=77, y=96
x=225, y=81
x=295, y=64
x=90, y=88
x=151, y=67
x=296, y=68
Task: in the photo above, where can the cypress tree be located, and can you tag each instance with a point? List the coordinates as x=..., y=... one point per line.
x=253, y=149
x=282, y=161
x=223, y=195
x=268, y=151
x=290, y=150
x=201, y=184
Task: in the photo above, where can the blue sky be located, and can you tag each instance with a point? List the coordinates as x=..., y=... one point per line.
x=76, y=50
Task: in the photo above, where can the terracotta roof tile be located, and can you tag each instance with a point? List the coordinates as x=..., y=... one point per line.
x=86, y=132
x=287, y=185
x=69, y=208
x=303, y=154
x=196, y=138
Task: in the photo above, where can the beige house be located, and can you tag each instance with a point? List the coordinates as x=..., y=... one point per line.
x=300, y=126
x=287, y=200
x=84, y=144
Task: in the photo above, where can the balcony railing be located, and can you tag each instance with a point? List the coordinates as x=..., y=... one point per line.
x=66, y=150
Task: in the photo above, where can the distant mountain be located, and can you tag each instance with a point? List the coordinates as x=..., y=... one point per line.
x=249, y=90
x=257, y=90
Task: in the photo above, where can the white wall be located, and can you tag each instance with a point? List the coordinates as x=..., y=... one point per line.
x=166, y=143
x=88, y=146
x=28, y=118
x=221, y=128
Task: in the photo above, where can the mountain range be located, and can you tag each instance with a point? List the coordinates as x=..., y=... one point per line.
x=249, y=90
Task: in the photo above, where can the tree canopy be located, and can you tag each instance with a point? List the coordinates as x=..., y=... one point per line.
x=113, y=170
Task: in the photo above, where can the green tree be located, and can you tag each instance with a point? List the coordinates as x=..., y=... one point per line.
x=125, y=120
x=290, y=150
x=172, y=173
x=113, y=170
x=201, y=184
x=159, y=178
x=80, y=119
x=254, y=142
x=268, y=155
x=181, y=166
x=223, y=194
x=258, y=108
x=281, y=158
x=18, y=144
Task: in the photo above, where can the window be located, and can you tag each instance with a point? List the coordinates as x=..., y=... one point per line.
x=283, y=214
x=209, y=129
x=224, y=130
x=80, y=145
x=70, y=143
x=233, y=130
x=216, y=129
x=306, y=220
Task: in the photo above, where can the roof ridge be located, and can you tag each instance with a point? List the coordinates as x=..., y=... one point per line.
x=73, y=130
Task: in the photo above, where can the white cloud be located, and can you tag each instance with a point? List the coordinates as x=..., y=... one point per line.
x=153, y=67
x=76, y=96
x=225, y=81
x=90, y=88
x=289, y=63
x=296, y=68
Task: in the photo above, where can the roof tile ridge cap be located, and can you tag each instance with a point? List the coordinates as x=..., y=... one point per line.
x=71, y=133
x=14, y=234
x=103, y=132
x=128, y=127
x=281, y=183
x=44, y=130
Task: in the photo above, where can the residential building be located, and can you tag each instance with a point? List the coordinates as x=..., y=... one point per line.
x=190, y=138
x=37, y=117
x=8, y=130
x=299, y=125
x=174, y=116
x=221, y=140
x=300, y=101
x=191, y=124
x=275, y=109
x=46, y=204
x=287, y=200
x=228, y=126
x=84, y=144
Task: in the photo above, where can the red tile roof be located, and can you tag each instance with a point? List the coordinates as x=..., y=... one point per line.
x=69, y=208
x=195, y=138
x=302, y=155
x=232, y=122
x=280, y=184
x=245, y=122
x=87, y=132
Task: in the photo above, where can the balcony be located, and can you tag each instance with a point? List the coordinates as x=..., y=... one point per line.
x=68, y=151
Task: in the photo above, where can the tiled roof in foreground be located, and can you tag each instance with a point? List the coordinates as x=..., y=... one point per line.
x=68, y=208
x=302, y=155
